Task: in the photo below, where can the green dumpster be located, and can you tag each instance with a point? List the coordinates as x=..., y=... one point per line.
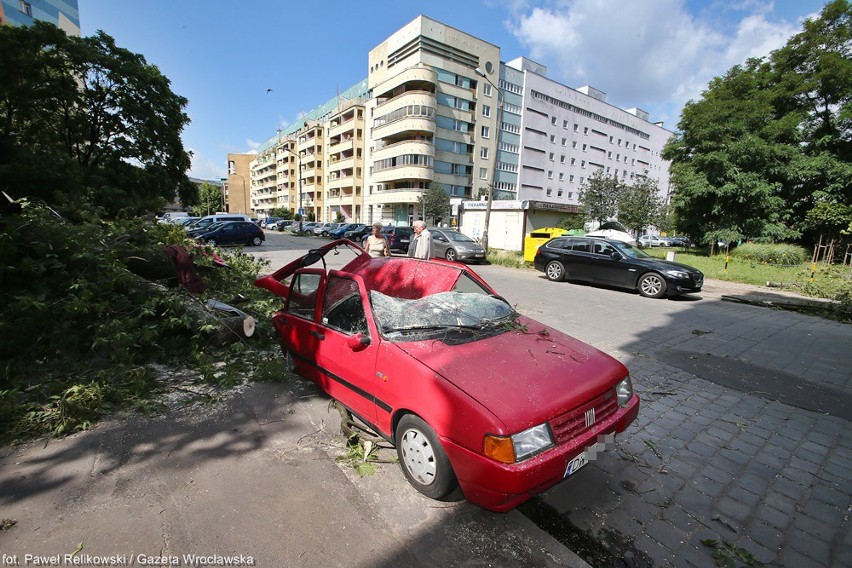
x=538, y=237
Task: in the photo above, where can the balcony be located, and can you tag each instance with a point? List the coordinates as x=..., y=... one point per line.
x=406, y=171
x=416, y=76
x=413, y=124
x=405, y=147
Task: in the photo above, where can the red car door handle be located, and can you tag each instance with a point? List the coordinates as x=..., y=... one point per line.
x=317, y=334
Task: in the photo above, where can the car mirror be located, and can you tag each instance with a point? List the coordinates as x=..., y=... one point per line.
x=358, y=342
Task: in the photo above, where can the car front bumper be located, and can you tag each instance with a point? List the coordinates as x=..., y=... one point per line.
x=470, y=255
x=501, y=487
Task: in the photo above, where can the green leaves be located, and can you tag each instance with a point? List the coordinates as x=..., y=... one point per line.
x=770, y=140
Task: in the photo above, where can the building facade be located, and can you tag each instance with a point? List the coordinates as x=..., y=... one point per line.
x=236, y=187
x=438, y=107
x=64, y=14
x=426, y=107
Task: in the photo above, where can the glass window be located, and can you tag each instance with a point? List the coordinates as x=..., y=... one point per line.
x=581, y=245
x=486, y=110
x=486, y=89
x=302, y=299
x=486, y=131
x=342, y=307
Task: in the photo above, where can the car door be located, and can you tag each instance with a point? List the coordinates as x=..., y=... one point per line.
x=609, y=270
x=296, y=322
x=582, y=264
x=440, y=243
x=347, y=346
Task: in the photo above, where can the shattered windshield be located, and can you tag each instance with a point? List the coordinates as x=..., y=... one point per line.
x=438, y=312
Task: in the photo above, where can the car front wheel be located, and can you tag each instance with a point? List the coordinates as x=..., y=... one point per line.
x=451, y=254
x=423, y=460
x=555, y=271
x=652, y=285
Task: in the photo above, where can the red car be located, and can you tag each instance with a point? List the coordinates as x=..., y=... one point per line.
x=470, y=392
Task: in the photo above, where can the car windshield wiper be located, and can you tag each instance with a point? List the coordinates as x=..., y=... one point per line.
x=433, y=327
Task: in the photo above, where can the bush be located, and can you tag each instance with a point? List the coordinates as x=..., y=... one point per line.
x=785, y=255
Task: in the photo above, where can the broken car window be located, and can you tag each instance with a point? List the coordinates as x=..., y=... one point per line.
x=342, y=308
x=438, y=311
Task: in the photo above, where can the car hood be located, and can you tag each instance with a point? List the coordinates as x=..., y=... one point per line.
x=524, y=377
x=660, y=264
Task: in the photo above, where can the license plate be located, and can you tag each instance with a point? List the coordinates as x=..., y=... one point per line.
x=576, y=464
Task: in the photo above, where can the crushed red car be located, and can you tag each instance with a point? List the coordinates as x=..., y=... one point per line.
x=470, y=392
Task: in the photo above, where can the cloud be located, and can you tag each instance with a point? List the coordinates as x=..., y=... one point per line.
x=252, y=146
x=654, y=54
x=204, y=168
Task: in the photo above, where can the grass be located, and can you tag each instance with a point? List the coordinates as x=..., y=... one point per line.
x=830, y=281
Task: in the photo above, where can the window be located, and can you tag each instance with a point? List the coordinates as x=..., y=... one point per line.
x=549, y=174
x=561, y=176
x=486, y=110
x=26, y=8
x=483, y=153
x=551, y=156
x=302, y=299
x=583, y=164
x=564, y=141
x=486, y=89
x=486, y=131
x=586, y=130
x=573, y=161
x=609, y=155
x=584, y=147
x=553, y=120
x=574, y=144
x=562, y=159
x=610, y=139
x=342, y=308
x=576, y=127
x=571, y=179
x=564, y=124
x=549, y=192
x=559, y=193
x=483, y=173
x=552, y=138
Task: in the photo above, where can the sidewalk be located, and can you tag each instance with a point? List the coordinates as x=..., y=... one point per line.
x=254, y=477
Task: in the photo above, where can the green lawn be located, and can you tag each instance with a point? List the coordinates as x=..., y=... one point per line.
x=829, y=281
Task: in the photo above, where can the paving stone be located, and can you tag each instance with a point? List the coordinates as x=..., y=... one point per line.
x=811, y=456
x=814, y=527
x=788, y=488
x=727, y=466
x=748, y=447
x=669, y=536
x=709, y=486
x=830, y=496
x=812, y=547
x=767, y=535
x=773, y=517
x=820, y=439
x=753, y=484
x=736, y=456
x=734, y=509
x=662, y=556
x=759, y=552
x=695, y=501
x=798, y=475
x=747, y=498
x=690, y=555
x=702, y=448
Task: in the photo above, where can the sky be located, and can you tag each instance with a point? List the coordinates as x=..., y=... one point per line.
x=250, y=67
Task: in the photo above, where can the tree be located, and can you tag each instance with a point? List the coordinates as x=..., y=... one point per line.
x=83, y=119
x=770, y=140
x=638, y=204
x=435, y=202
x=598, y=196
x=209, y=199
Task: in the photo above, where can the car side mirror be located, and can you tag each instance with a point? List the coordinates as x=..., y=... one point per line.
x=616, y=255
x=358, y=342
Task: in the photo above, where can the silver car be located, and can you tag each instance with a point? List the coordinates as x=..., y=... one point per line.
x=456, y=246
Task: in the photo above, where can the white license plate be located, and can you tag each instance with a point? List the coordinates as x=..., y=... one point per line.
x=576, y=464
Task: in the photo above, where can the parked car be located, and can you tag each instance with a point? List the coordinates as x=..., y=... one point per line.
x=172, y=217
x=357, y=235
x=208, y=220
x=614, y=263
x=453, y=245
x=679, y=241
x=323, y=229
x=303, y=228
x=268, y=221
x=340, y=231
x=398, y=238
x=234, y=233
x=428, y=355
x=282, y=225
x=194, y=231
x=653, y=241
x=187, y=221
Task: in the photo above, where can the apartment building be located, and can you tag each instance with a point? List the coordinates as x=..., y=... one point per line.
x=236, y=187
x=64, y=14
x=422, y=120
x=568, y=134
x=344, y=151
x=264, y=180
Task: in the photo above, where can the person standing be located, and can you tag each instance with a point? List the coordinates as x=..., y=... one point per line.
x=422, y=245
x=377, y=243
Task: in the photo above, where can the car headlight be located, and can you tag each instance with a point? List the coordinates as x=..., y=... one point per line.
x=520, y=446
x=677, y=273
x=624, y=391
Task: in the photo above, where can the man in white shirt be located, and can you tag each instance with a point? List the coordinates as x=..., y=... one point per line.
x=422, y=242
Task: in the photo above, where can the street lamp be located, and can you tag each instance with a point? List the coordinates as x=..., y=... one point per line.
x=299, y=166
x=481, y=73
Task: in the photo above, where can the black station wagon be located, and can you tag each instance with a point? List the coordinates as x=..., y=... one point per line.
x=615, y=263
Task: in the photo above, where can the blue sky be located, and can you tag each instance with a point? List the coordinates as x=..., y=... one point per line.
x=225, y=55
